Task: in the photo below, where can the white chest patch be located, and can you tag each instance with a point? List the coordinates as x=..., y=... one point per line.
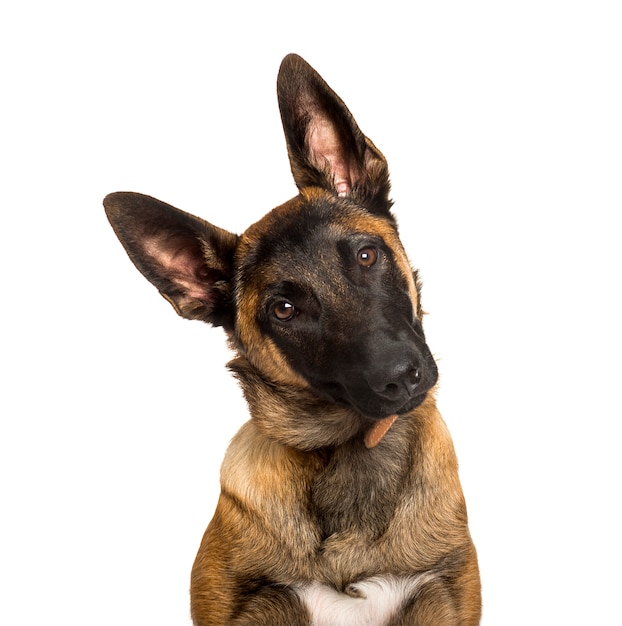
x=370, y=602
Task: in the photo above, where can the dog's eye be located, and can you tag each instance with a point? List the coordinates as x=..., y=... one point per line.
x=284, y=311
x=366, y=257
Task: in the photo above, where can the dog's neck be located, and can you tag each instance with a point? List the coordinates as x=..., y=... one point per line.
x=295, y=416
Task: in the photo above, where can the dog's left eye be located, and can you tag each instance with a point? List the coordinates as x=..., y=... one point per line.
x=367, y=257
x=284, y=311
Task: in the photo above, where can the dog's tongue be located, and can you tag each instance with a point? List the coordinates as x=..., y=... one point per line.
x=376, y=433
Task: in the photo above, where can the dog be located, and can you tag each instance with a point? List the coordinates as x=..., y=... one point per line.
x=340, y=499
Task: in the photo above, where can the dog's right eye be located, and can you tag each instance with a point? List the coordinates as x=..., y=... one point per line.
x=284, y=311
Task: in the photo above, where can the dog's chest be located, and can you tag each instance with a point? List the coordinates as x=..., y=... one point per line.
x=371, y=602
x=359, y=489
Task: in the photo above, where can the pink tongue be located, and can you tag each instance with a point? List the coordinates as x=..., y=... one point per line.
x=376, y=433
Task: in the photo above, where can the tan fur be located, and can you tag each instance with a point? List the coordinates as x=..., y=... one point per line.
x=261, y=521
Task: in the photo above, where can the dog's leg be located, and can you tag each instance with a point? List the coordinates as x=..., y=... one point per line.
x=450, y=601
x=432, y=606
x=273, y=606
x=267, y=606
x=235, y=580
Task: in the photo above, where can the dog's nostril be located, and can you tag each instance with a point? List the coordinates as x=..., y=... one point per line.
x=391, y=389
x=414, y=375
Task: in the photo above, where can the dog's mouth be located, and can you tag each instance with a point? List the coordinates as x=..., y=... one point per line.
x=381, y=426
x=413, y=403
x=377, y=408
x=371, y=406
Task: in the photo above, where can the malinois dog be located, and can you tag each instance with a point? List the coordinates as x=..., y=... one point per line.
x=340, y=500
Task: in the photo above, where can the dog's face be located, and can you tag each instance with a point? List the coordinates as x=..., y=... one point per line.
x=318, y=294
x=326, y=287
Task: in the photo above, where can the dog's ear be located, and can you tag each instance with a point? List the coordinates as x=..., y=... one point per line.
x=325, y=145
x=187, y=259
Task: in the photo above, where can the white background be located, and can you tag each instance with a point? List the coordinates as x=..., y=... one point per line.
x=501, y=122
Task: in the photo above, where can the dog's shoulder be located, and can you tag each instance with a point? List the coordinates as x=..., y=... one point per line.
x=262, y=472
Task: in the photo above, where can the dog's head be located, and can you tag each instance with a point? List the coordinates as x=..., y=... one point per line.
x=318, y=297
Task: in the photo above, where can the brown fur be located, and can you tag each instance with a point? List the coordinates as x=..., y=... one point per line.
x=303, y=500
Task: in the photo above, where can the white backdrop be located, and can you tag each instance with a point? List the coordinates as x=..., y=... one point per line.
x=502, y=125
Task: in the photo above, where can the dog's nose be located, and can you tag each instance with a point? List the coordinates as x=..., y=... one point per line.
x=398, y=384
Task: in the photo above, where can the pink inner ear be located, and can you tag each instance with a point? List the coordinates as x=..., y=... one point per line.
x=325, y=145
x=180, y=263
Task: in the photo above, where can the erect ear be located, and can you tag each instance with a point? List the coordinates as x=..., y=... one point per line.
x=326, y=147
x=187, y=259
